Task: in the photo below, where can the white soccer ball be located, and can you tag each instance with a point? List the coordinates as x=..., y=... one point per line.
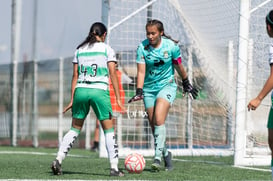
x=134, y=163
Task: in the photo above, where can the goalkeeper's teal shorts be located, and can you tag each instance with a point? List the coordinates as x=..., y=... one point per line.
x=98, y=99
x=168, y=93
x=270, y=118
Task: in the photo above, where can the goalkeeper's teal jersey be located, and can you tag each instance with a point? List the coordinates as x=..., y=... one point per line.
x=158, y=62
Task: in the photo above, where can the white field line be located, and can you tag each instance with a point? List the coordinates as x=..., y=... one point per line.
x=81, y=156
x=57, y=180
x=251, y=168
x=38, y=153
x=221, y=163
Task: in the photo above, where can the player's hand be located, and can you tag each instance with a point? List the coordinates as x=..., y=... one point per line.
x=253, y=104
x=138, y=96
x=69, y=106
x=188, y=88
x=123, y=110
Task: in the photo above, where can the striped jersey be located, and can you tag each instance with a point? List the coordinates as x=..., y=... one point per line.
x=92, y=65
x=158, y=62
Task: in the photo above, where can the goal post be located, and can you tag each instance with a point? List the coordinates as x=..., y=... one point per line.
x=240, y=132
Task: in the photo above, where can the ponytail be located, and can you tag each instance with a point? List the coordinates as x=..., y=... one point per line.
x=97, y=29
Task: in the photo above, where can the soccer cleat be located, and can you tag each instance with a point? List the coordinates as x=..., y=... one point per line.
x=156, y=166
x=56, y=168
x=168, y=161
x=95, y=146
x=117, y=173
x=95, y=149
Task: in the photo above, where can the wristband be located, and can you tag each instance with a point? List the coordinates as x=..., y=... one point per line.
x=139, y=91
x=185, y=80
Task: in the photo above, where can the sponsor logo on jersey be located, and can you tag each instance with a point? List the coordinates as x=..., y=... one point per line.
x=166, y=55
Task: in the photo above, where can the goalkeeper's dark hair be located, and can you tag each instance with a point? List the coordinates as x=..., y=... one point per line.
x=97, y=29
x=269, y=19
x=160, y=28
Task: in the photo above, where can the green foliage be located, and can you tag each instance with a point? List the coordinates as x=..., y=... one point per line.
x=34, y=163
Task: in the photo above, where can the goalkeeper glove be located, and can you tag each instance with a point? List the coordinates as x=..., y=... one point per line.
x=138, y=96
x=188, y=88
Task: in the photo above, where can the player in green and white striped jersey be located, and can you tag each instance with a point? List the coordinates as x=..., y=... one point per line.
x=93, y=63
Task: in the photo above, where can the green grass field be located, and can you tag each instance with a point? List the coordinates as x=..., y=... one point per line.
x=34, y=163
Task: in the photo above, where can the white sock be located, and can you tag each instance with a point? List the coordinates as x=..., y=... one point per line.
x=67, y=143
x=112, y=148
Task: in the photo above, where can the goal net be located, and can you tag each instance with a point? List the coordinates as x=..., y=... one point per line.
x=208, y=34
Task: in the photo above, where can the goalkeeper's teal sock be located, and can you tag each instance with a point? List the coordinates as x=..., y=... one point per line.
x=67, y=143
x=112, y=147
x=160, y=138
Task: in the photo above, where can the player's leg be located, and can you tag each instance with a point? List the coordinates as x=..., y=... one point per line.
x=80, y=109
x=66, y=145
x=160, y=113
x=270, y=134
x=150, y=102
x=111, y=146
x=95, y=146
x=164, y=101
x=270, y=142
x=103, y=110
x=166, y=154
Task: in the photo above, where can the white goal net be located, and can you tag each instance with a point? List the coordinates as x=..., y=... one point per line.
x=208, y=34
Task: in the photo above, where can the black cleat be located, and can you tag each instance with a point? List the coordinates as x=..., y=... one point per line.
x=156, y=166
x=116, y=173
x=168, y=161
x=56, y=168
x=95, y=149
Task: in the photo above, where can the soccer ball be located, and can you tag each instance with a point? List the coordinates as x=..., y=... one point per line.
x=134, y=163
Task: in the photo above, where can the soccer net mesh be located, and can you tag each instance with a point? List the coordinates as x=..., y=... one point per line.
x=208, y=34
x=202, y=126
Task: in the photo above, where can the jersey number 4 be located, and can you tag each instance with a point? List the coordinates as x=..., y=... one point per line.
x=89, y=70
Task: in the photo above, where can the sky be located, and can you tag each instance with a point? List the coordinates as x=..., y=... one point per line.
x=61, y=25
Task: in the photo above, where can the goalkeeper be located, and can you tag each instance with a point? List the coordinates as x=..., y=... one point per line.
x=254, y=103
x=157, y=57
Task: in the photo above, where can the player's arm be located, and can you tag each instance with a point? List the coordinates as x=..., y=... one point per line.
x=140, y=82
x=268, y=86
x=141, y=66
x=180, y=69
x=140, y=75
x=187, y=87
x=114, y=80
x=73, y=85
